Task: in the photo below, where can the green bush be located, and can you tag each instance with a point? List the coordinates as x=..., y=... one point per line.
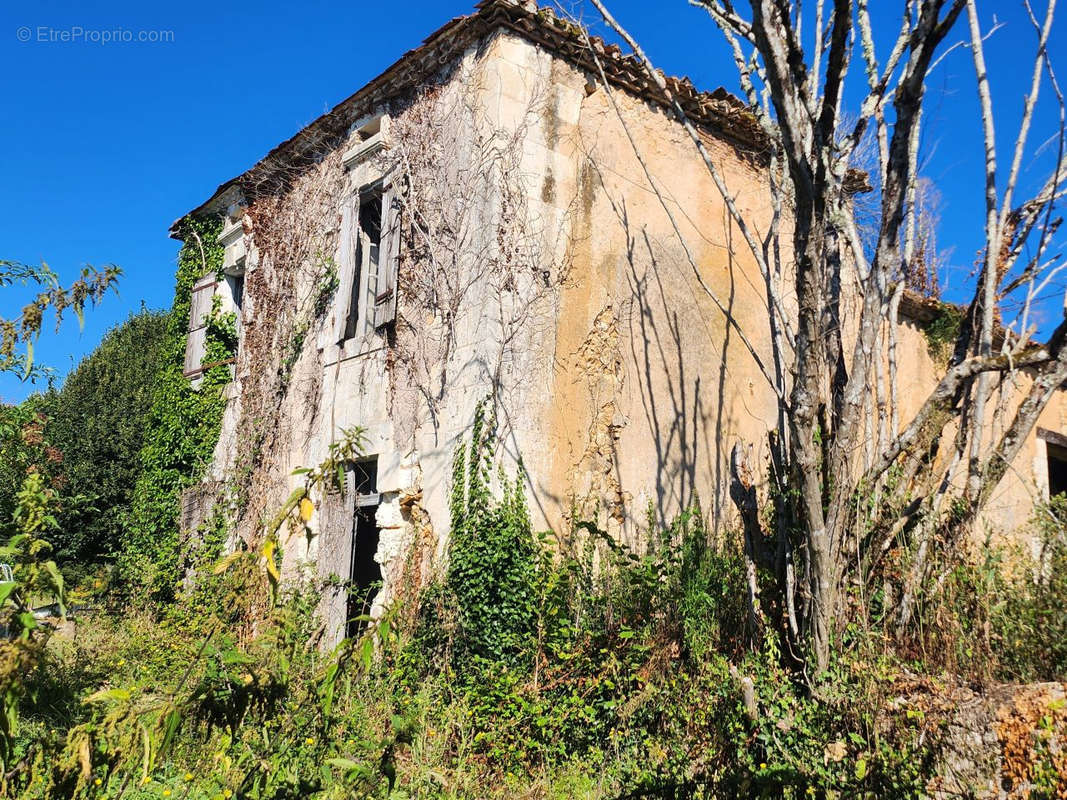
x=182, y=426
x=535, y=667
x=1031, y=620
x=492, y=565
x=97, y=422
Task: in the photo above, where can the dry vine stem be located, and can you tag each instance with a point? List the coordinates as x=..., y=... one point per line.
x=470, y=235
x=837, y=373
x=473, y=249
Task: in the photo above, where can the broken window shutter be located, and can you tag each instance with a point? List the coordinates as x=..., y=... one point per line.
x=347, y=272
x=196, y=338
x=195, y=348
x=388, y=260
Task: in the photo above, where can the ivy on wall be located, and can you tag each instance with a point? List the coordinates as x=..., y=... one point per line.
x=184, y=422
x=493, y=560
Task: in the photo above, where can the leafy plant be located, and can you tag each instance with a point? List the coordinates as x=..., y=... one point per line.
x=182, y=426
x=492, y=561
x=95, y=424
x=35, y=579
x=17, y=336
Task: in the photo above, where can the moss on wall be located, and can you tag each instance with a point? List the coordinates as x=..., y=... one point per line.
x=942, y=331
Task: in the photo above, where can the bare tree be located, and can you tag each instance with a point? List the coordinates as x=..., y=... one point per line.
x=837, y=375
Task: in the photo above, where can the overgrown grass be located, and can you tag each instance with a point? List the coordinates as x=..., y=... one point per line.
x=615, y=702
x=997, y=615
x=574, y=668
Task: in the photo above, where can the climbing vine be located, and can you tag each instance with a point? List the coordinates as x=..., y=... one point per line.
x=183, y=425
x=325, y=287
x=294, y=226
x=458, y=259
x=493, y=560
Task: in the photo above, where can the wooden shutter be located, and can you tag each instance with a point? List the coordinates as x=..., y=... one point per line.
x=388, y=260
x=334, y=552
x=196, y=338
x=346, y=269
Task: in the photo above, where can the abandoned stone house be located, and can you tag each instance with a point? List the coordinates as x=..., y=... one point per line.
x=476, y=222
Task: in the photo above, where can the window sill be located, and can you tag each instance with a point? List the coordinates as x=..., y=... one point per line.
x=357, y=347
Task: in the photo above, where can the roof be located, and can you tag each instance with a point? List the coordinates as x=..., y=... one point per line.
x=719, y=111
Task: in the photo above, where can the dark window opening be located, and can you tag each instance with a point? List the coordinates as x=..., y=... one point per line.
x=368, y=243
x=238, y=290
x=365, y=573
x=1057, y=469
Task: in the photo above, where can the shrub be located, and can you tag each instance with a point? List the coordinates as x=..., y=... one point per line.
x=492, y=563
x=1031, y=620
x=97, y=422
x=532, y=669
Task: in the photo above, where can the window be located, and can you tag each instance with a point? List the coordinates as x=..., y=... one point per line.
x=371, y=226
x=374, y=252
x=1057, y=469
x=1055, y=460
x=365, y=573
x=237, y=290
x=367, y=241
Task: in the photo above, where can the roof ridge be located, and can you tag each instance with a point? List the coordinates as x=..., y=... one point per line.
x=719, y=110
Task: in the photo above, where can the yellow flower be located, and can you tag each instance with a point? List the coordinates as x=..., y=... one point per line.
x=227, y=794
x=122, y=662
x=763, y=766
x=166, y=792
x=188, y=776
x=98, y=782
x=309, y=741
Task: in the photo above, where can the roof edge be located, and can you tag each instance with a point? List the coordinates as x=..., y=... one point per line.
x=719, y=110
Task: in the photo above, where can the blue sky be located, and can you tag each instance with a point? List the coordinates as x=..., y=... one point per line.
x=107, y=143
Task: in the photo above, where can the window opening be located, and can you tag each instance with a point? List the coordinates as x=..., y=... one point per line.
x=365, y=573
x=1057, y=469
x=368, y=246
x=239, y=290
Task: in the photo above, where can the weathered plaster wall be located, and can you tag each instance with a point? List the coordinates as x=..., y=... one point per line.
x=643, y=387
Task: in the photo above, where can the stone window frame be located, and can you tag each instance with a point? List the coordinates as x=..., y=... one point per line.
x=235, y=263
